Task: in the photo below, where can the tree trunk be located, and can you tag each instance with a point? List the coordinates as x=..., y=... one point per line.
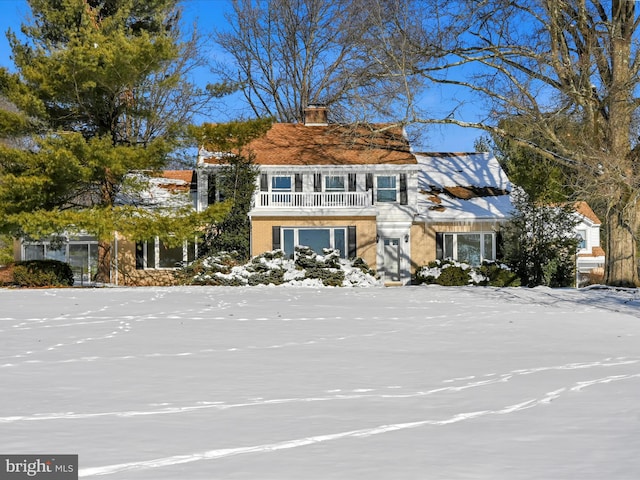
x=104, y=262
x=621, y=258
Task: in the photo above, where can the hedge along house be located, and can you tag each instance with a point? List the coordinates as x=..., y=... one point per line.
x=463, y=198
x=348, y=187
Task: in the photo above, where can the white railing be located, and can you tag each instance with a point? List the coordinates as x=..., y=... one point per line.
x=314, y=199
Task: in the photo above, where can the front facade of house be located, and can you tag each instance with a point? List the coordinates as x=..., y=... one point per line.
x=364, y=192
x=330, y=186
x=358, y=189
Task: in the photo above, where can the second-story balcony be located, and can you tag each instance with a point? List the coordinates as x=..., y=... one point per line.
x=313, y=199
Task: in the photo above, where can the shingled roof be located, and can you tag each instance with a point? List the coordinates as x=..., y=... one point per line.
x=299, y=144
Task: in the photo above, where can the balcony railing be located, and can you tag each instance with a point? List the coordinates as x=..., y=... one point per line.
x=314, y=199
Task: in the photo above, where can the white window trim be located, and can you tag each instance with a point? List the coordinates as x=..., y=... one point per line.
x=332, y=238
x=156, y=255
x=281, y=190
x=46, y=244
x=397, y=188
x=454, y=236
x=335, y=190
x=584, y=231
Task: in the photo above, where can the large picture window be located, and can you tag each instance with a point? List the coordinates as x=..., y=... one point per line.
x=471, y=248
x=314, y=238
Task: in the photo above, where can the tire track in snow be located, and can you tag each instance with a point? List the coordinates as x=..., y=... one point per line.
x=360, y=433
x=357, y=394
x=125, y=327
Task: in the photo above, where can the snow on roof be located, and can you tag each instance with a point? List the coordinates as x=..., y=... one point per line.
x=167, y=189
x=441, y=170
x=446, y=209
x=462, y=187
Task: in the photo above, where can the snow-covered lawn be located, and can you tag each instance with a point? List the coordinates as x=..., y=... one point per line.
x=212, y=383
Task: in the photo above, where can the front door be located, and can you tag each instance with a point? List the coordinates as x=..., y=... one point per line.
x=392, y=259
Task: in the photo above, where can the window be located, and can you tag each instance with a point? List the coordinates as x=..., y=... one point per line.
x=156, y=254
x=386, y=188
x=281, y=184
x=334, y=183
x=57, y=251
x=81, y=253
x=170, y=257
x=471, y=248
x=582, y=239
x=33, y=252
x=280, y=188
x=315, y=238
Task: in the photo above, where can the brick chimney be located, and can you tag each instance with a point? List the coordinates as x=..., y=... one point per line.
x=315, y=115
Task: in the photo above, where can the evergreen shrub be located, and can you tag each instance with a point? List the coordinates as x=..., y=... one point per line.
x=498, y=275
x=43, y=273
x=453, y=276
x=272, y=268
x=451, y=273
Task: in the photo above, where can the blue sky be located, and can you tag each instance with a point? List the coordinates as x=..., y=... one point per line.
x=209, y=14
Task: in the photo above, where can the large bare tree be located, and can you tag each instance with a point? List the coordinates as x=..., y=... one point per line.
x=549, y=63
x=287, y=54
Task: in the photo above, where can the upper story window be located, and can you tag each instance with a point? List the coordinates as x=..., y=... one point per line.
x=582, y=239
x=386, y=188
x=281, y=184
x=334, y=183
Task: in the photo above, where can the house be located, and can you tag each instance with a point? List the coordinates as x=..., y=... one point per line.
x=360, y=189
x=353, y=188
x=133, y=263
x=590, y=256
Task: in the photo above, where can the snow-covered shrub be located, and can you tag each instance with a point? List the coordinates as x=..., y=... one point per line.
x=448, y=272
x=454, y=276
x=498, y=275
x=325, y=268
x=272, y=268
x=266, y=269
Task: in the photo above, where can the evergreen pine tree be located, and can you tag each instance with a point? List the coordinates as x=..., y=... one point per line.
x=104, y=85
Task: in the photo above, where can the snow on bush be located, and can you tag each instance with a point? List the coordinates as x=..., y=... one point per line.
x=308, y=269
x=452, y=273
